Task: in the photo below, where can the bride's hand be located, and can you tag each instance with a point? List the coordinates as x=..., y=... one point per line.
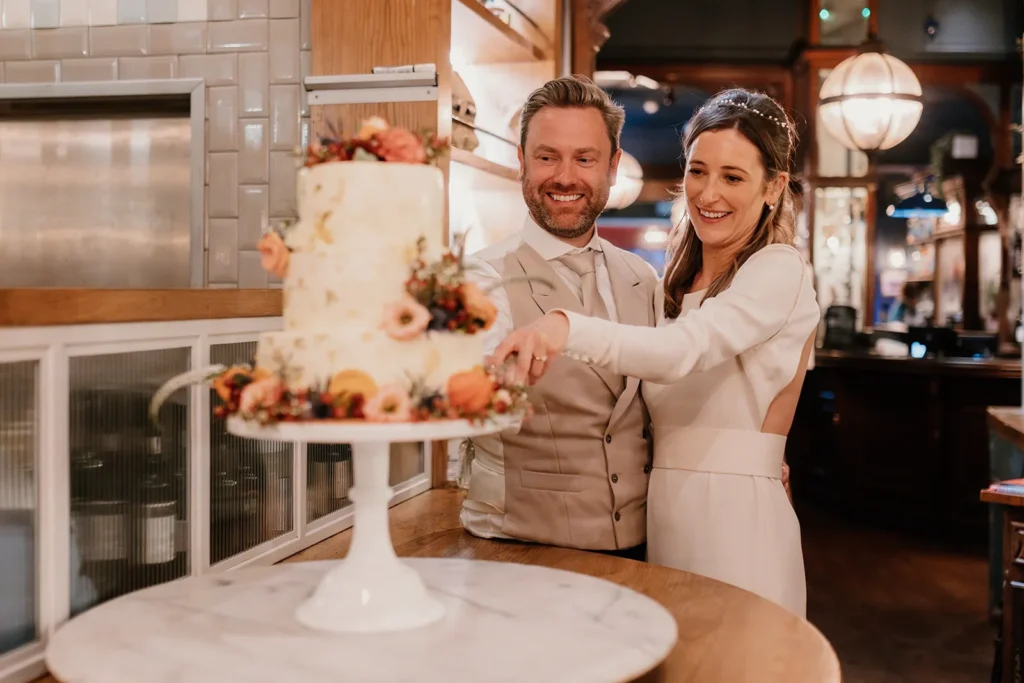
x=533, y=347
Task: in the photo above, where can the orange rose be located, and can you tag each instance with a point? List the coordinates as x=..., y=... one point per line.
x=470, y=392
x=274, y=255
x=398, y=144
x=220, y=384
x=478, y=304
x=372, y=126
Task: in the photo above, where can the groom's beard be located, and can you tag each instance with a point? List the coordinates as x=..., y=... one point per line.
x=564, y=224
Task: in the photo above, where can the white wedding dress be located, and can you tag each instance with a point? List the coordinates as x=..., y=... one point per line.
x=716, y=504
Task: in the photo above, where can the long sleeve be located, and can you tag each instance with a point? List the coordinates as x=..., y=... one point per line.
x=485, y=276
x=770, y=291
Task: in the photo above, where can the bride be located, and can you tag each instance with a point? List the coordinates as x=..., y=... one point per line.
x=722, y=371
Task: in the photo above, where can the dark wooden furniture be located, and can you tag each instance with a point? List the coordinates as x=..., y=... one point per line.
x=900, y=442
x=725, y=634
x=1012, y=660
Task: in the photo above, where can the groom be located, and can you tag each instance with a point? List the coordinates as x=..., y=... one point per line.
x=575, y=474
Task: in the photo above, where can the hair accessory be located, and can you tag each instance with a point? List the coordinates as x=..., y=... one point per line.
x=768, y=117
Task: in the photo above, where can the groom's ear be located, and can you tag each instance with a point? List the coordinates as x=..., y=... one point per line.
x=613, y=166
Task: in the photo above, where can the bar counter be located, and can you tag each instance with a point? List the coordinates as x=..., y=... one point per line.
x=900, y=441
x=725, y=633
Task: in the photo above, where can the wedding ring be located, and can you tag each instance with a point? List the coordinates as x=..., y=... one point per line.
x=542, y=359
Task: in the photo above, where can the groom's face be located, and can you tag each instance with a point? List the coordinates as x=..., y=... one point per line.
x=567, y=169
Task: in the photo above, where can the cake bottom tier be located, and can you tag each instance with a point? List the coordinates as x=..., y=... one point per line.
x=305, y=360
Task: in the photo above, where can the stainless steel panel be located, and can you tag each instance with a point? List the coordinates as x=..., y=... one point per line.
x=129, y=480
x=250, y=480
x=95, y=202
x=19, y=450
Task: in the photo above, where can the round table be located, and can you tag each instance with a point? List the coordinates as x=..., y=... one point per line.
x=725, y=633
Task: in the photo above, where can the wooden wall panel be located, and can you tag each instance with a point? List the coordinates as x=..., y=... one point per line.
x=353, y=36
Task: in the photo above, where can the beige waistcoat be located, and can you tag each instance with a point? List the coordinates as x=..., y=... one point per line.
x=576, y=473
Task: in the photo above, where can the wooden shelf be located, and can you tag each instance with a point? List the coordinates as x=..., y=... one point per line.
x=482, y=38
x=461, y=156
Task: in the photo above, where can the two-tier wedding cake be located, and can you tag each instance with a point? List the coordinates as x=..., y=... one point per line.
x=380, y=322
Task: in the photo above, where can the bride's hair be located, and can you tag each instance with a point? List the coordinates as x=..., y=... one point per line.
x=766, y=125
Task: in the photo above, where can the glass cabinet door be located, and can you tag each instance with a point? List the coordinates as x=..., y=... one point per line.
x=251, y=491
x=840, y=247
x=128, y=478
x=19, y=453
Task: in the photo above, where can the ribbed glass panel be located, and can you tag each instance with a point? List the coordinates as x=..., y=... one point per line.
x=328, y=479
x=250, y=481
x=129, y=479
x=19, y=452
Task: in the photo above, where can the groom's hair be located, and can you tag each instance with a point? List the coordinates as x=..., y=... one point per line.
x=574, y=92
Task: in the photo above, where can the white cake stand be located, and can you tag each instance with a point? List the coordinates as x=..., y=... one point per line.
x=371, y=591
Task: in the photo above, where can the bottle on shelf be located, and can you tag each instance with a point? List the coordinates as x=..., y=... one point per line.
x=224, y=507
x=155, y=518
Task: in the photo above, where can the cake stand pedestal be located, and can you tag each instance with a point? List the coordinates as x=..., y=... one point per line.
x=371, y=591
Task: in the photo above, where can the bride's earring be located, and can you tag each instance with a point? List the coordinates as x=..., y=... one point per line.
x=771, y=207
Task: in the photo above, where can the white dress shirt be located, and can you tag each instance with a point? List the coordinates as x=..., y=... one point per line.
x=482, y=514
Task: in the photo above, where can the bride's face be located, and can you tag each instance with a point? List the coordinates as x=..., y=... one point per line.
x=725, y=187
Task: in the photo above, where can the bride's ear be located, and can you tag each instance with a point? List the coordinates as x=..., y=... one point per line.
x=776, y=188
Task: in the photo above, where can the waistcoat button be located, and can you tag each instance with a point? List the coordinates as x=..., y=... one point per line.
x=647, y=469
x=618, y=516
x=607, y=438
x=615, y=479
x=646, y=434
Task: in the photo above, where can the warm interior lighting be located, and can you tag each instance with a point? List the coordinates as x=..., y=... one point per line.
x=629, y=180
x=871, y=101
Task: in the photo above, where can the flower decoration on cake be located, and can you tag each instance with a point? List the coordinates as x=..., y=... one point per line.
x=252, y=393
x=274, y=253
x=445, y=301
x=405, y=319
x=377, y=140
x=391, y=404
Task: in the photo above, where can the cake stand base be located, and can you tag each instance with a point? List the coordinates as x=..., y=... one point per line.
x=371, y=591
x=502, y=623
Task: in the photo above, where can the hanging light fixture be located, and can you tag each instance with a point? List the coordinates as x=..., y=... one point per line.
x=871, y=101
x=629, y=180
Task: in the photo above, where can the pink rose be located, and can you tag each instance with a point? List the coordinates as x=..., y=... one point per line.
x=264, y=393
x=391, y=404
x=405, y=319
x=398, y=144
x=274, y=254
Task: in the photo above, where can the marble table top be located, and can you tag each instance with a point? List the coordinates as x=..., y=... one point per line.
x=503, y=622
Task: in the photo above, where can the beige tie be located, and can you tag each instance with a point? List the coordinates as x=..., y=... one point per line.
x=583, y=264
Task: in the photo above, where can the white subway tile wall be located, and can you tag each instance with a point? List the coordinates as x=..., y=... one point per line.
x=252, y=55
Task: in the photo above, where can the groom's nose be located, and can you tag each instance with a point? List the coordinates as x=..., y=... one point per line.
x=566, y=172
